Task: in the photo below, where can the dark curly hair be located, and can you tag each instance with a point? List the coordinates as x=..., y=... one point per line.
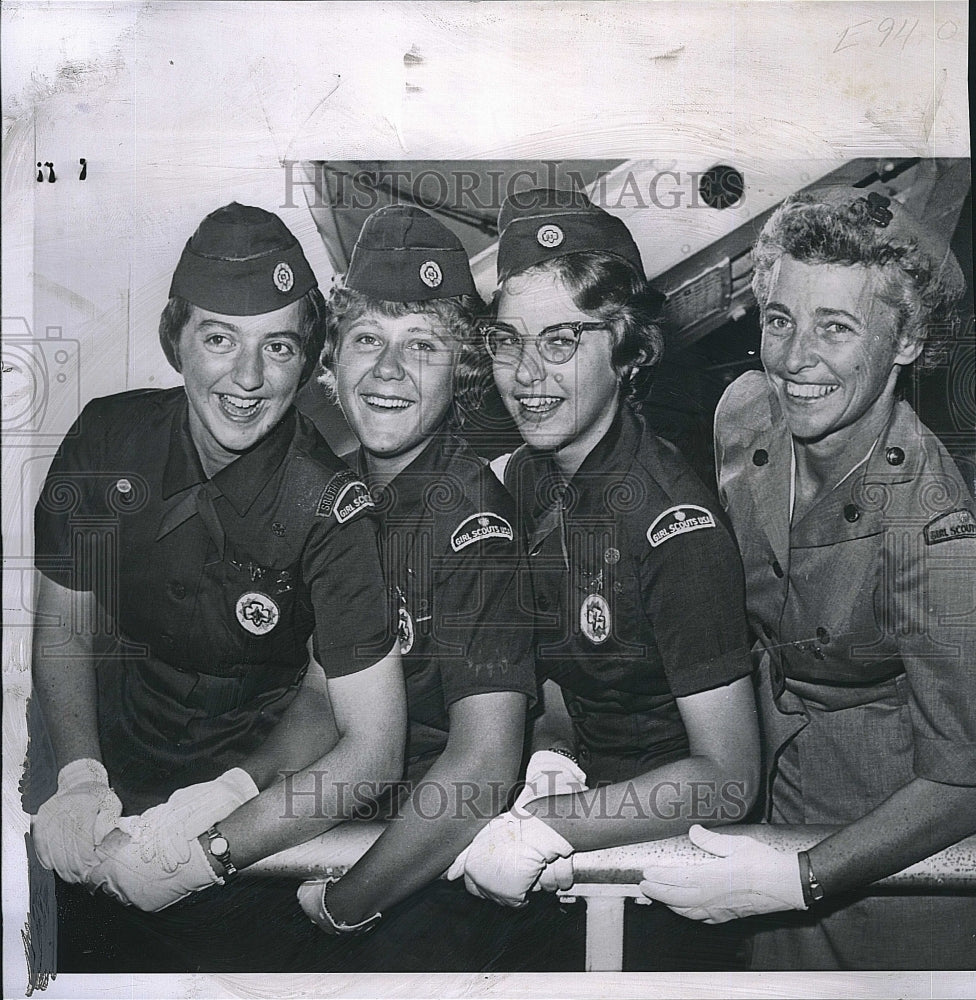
x=608, y=287
x=460, y=316
x=311, y=329
x=922, y=291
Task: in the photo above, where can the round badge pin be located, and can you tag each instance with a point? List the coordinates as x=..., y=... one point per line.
x=257, y=613
x=124, y=486
x=595, y=618
x=405, y=631
x=430, y=274
x=284, y=279
x=550, y=236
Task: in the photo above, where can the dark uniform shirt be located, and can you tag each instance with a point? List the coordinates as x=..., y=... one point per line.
x=209, y=589
x=453, y=561
x=639, y=592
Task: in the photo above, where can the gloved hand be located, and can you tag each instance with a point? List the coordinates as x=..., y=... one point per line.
x=311, y=898
x=747, y=877
x=556, y=875
x=508, y=855
x=166, y=832
x=548, y=773
x=131, y=872
x=71, y=823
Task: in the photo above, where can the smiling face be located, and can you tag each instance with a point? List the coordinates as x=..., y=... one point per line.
x=565, y=408
x=395, y=383
x=831, y=349
x=241, y=374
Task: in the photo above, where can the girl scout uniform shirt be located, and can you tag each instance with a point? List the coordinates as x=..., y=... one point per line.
x=213, y=586
x=638, y=590
x=866, y=633
x=458, y=586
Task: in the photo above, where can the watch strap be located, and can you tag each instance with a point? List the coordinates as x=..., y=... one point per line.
x=813, y=891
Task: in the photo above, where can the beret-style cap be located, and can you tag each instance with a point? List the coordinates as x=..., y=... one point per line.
x=242, y=261
x=541, y=224
x=893, y=223
x=403, y=254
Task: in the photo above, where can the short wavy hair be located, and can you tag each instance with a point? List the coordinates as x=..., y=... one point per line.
x=608, y=287
x=923, y=293
x=311, y=329
x=461, y=316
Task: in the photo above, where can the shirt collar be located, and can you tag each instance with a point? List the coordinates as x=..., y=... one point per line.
x=242, y=480
x=409, y=485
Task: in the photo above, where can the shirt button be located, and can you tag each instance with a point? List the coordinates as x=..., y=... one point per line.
x=760, y=457
x=177, y=590
x=777, y=569
x=851, y=513
x=894, y=456
x=823, y=636
x=584, y=753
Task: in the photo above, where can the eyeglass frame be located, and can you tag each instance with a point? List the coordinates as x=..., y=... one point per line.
x=578, y=327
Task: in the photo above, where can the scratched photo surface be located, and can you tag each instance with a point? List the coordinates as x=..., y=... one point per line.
x=125, y=124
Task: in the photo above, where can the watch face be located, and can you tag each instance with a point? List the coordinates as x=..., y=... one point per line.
x=219, y=846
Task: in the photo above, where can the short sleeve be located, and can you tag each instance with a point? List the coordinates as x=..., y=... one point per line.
x=934, y=605
x=693, y=595
x=67, y=494
x=342, y=568
x=481, y=621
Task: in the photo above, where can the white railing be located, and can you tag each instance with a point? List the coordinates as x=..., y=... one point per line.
x=606, y=878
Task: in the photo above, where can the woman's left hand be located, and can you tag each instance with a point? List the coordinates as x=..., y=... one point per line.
x=744, y=877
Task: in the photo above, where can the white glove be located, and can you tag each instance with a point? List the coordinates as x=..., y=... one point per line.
x=508, y=855
x=167, y=831
x=132, y=873
x=747, y=877
x=557, y=875
x=311, y=898
x=71, y=823
x=547, y=773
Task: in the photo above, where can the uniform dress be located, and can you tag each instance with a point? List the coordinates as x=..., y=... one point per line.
x=639, y=598
x=210, y=589
x=459, y=589
x=864, y=616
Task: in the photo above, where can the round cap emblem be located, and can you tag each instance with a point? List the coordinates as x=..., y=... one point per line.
x=430, y=274
x=257, y=613
x=550, y=236
x=283, y=277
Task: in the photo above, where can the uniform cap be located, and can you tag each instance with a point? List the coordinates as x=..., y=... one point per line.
x=403, y=254
x=894, y=223
x=242, y=261
x=541, y=224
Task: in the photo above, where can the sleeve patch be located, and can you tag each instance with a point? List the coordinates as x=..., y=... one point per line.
x=345, y=496
x=679, y=521
x=946, y=527
x=479, y=527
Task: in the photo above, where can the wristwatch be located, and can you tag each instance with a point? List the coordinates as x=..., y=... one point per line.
x=813, y=891
x=220, y=849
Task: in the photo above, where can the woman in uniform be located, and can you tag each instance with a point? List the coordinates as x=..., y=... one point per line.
x=190, y=543
x=859, y=542
x=642, y=640
x=400, y=350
